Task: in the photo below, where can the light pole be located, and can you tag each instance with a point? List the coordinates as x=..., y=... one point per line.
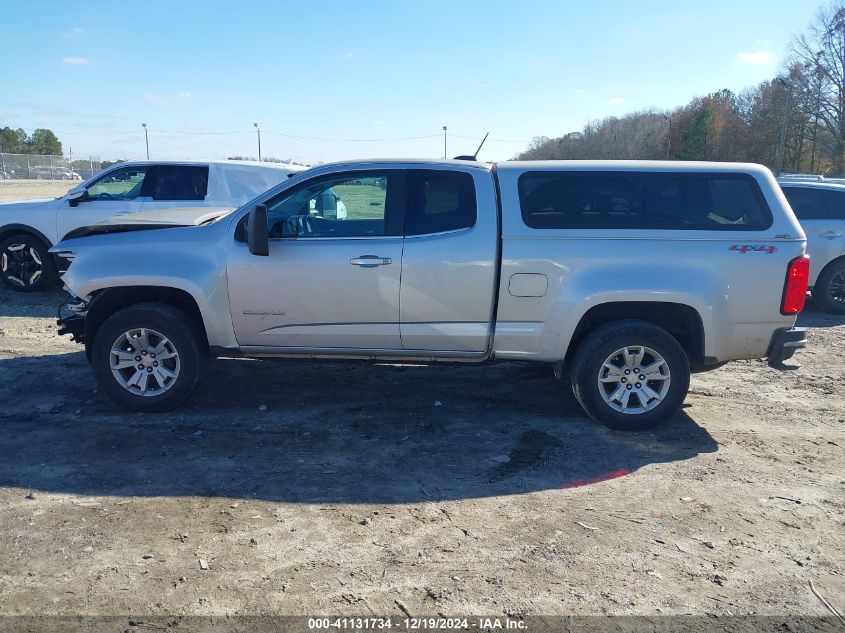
x=444, y=141
x=258, y=130
x=782, y=142
x=146, y=139
x=668, y=136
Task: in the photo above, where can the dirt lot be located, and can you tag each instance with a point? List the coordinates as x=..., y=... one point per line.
x=353, y=491
x=12, y=190
x=311, y=488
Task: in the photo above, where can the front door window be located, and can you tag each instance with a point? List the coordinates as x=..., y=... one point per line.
x=122, y=184
x=345, y=206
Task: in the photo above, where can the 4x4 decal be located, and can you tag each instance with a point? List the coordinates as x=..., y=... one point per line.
x=753, y=248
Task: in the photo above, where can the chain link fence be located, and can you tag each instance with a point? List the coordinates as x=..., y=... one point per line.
x=36, y=167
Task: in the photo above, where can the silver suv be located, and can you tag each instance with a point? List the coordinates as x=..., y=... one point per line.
x=819, y=205
x=625, y=276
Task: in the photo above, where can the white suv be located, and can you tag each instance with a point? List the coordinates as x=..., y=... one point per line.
x=29, y=228
x=820, y=207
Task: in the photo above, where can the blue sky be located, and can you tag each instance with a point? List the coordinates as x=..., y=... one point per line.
x=93, y=71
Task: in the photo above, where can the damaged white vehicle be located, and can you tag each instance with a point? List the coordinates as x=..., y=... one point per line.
x=145, y=189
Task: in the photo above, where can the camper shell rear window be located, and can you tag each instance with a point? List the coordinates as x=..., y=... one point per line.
x=642, y=200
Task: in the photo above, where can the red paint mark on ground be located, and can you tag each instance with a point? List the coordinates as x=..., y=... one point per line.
x=613, y=474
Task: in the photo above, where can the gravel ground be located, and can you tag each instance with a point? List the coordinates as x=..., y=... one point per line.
x=13, y=190
x=314, y=488
x=311, y=488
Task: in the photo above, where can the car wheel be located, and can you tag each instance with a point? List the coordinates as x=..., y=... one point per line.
x=148, y=357
x=630, y=375
x=829, y=291
x=25, y=264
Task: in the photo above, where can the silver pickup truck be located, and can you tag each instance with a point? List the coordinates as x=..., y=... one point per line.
x=623, y=276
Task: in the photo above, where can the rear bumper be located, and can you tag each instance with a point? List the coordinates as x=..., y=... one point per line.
x=785, y=343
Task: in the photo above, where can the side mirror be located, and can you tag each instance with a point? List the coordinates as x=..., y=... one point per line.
x=76, y=195
x=257, y=234
x=327, y=206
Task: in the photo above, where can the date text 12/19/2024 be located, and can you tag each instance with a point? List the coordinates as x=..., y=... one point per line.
x=416, y=624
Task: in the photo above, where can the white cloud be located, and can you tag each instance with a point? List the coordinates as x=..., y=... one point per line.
x=75, y=61
x=348, y=55
x=758, y=58
x=180, y=100
x=616, y=100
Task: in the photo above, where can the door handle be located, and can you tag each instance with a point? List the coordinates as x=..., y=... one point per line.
x=370, y=261
x=830, y=235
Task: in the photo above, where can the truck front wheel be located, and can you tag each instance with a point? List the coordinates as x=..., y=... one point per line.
x=147, y=357
x=630, y=375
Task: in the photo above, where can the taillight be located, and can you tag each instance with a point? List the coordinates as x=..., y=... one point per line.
x=795, y=288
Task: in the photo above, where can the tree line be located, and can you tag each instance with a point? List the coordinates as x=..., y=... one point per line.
x=794, y=122
x=42, y=142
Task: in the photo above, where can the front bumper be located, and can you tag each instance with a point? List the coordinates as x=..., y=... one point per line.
x=785, y=343
x=71, y=319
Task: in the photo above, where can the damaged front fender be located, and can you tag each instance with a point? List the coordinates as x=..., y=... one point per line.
x=71, y=318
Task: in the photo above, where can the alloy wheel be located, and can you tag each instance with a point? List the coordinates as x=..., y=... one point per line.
x=21, y=265
x=836, y=289
x=634, y=379
x=144, y=362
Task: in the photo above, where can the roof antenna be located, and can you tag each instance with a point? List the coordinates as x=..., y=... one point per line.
x=474, y=156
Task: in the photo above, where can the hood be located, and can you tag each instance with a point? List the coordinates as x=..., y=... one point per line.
x=24, y=204
x=147, y=220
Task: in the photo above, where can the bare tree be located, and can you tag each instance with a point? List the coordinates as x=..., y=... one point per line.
x=795, y=121
x=817, y=70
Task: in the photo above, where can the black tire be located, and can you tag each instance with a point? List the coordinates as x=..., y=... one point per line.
x=182, y=333
x=25, y=264
x=828, y=293
x=605, y=340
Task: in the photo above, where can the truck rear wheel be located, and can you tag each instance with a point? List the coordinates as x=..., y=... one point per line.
x=630, y=375
x=147, y=357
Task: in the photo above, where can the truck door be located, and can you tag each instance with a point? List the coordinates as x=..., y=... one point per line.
x=329, y=283
x=450, y=259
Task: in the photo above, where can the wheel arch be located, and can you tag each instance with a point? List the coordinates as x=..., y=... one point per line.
x=109, y=300
x=9, y=230
x=681, y=321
